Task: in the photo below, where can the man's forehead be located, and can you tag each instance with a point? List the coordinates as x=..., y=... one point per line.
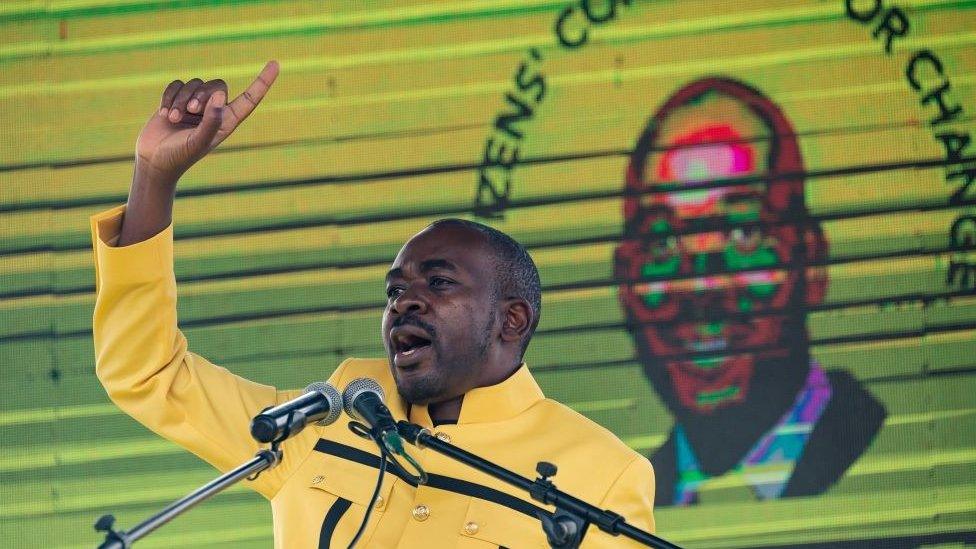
x=443, y=246
x=712, y=138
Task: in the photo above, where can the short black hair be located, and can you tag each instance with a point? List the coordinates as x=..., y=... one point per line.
x=516, y=273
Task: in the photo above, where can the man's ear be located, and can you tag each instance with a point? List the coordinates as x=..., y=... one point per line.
x=516, y=319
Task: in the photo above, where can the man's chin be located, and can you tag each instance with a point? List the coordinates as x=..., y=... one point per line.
x=417, y=387
x=716, y=400
x=703, y=391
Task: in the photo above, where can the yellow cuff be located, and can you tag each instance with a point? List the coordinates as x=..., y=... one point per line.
x=143, y=261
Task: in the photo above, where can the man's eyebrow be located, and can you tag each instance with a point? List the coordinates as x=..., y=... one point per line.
x=431, y=264
x=425, y=266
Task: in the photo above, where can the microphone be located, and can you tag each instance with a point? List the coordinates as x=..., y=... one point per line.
x=363, y=400
x=320, y=403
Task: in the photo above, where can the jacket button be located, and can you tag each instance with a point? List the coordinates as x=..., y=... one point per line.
x=380, y=502
x=471, y=528
x=421, y=513
x=317, y=479
x=443, y=437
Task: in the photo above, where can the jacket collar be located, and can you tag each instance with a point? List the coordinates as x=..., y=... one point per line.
x=493, y=403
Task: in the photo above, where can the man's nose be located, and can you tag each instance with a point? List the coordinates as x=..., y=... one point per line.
x=709, y=300
x=409, y=302
x=707, y=263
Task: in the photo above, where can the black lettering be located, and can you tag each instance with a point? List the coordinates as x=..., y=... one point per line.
x=859, y=15
x=959, y=197
x=490, y=201
x=924, y=55
x=966, y=274
x=894, y=24
x=963, y=232
x=561, y=30
x=608, y=15
x=946, y=113
x=504, y=122
x=955, y=144
x=525, y=84
x=496, y=156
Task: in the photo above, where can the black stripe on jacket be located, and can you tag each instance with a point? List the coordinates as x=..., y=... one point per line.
x=335, y=513
x=441, y=482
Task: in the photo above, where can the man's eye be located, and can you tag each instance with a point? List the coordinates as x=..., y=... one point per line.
x=746, y=239
x=748, y=248
x=393, y=292
x=662, y=257
x=440, y=282
x=662, y=249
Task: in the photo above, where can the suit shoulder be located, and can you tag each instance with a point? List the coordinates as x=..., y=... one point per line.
x=375, y=368
x=586, y=432
x=623, y=477
x=352, y=368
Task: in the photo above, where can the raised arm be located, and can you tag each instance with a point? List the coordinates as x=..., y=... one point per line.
x=192, y=120
x=141, y=356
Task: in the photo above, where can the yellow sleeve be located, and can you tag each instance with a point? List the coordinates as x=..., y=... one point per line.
x=141, y=359
x=631, y=495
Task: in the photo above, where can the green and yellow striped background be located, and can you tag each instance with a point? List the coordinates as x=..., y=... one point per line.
x=375, y=127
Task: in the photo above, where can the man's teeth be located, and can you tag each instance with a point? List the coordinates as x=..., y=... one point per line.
x=718, y=344
x=409, y=349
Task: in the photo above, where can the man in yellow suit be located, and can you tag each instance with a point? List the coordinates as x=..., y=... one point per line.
x=463, y=302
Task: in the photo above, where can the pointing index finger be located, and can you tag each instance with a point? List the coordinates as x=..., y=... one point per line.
x=244, y=104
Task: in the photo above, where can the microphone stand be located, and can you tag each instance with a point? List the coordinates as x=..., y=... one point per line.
x=566, y=527
x=117, y=539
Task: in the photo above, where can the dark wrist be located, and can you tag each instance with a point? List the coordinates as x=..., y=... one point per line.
x=150, y=206
x=146, y=176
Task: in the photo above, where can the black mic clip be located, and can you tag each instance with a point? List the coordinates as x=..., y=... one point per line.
x=113, y=538
x=272, y=454
x=563, y=529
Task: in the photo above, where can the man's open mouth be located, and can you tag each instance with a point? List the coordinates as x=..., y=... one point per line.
x=409, y=344
x=705, y=345
x=704, y=388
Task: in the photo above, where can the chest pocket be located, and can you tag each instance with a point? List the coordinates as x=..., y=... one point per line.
x=489, y=525
x=347, y=487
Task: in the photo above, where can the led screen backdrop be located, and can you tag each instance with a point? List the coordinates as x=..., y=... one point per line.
x=754, y=221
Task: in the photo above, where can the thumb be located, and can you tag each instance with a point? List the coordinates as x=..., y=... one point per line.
x=204, y=133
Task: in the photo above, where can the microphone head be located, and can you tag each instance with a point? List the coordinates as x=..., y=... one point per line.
x=357, y=387
x=332, y=395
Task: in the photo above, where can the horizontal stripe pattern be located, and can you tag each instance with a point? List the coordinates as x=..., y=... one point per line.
x=376, y=128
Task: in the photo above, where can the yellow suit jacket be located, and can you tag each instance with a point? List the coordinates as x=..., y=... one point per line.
x=320, y=490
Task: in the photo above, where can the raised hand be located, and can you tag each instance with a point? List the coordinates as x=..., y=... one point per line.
x=192, y=119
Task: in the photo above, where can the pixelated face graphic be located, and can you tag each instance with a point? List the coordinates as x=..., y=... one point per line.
x=712, y=271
